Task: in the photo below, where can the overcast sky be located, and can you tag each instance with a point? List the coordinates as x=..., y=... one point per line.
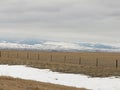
x=61, y=20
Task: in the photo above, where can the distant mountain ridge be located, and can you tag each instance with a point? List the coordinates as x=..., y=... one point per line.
x=44, y=45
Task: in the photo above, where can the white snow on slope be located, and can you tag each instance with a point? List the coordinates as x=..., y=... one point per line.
x=43, y=46
x=75, y=80
x=62, y=46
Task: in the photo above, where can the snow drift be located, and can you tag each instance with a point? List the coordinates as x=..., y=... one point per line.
x=74, y=80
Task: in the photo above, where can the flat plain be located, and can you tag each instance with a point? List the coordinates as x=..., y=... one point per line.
x=95, y=64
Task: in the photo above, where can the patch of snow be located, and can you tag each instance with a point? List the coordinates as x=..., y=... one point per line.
x=75, y=80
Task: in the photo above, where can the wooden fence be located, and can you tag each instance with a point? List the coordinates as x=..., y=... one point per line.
x=97, y=59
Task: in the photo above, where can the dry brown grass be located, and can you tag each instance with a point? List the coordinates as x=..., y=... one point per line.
x=8, y=83
x=90, y=63
x=79, y=69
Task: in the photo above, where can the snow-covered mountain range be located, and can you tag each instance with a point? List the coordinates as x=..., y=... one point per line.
x=44, y=45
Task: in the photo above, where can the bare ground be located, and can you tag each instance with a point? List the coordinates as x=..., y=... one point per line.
x=8, y=83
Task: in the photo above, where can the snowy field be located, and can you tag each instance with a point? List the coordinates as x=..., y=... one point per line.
x=75, y=80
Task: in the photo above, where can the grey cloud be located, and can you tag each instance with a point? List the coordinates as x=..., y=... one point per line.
x=71, y=19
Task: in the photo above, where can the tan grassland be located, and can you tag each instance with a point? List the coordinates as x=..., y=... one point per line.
x=95, y=64
x=8, y=83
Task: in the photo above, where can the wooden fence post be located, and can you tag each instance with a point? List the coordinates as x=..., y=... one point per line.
x=8, y=55
x=27, y=55
x=38, y=56
x=17, y=55
x=64, y=59
x=97, y=63
x=0, y=53
x=51, y=58
x=79, y=60
x=116, y=63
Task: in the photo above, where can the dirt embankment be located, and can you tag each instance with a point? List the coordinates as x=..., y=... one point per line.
x=8, y=83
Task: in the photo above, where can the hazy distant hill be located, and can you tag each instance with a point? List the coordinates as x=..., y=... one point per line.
x=35, y=44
